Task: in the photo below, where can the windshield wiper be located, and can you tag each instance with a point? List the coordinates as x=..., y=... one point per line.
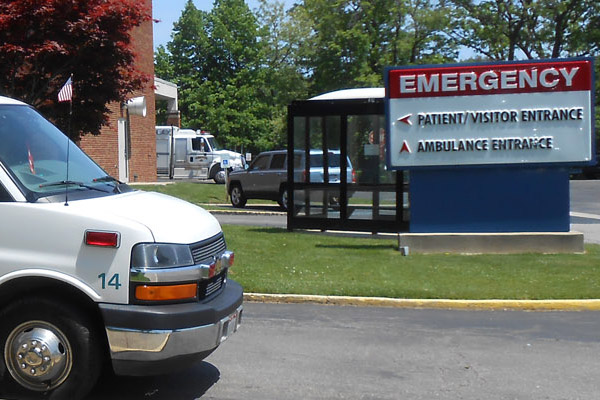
x=80, y=184
x=106, y=178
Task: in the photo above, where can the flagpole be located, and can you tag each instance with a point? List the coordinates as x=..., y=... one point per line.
x=68, y=143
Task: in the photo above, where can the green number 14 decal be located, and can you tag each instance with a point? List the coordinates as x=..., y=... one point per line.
x=112, y=282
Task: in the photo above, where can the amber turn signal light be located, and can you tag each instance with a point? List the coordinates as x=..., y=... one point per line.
x=166, y=293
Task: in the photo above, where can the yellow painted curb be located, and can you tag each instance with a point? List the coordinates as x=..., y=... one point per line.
x=528, y=305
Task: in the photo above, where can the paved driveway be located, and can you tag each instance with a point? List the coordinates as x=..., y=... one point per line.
x=585, y=209
x=304, y=351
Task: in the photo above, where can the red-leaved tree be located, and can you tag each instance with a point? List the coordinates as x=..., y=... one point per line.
x=43, y=42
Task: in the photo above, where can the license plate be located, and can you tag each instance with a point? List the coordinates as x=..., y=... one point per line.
x=230, y=324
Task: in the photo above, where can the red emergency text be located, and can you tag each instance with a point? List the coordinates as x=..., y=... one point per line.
x=490, y=79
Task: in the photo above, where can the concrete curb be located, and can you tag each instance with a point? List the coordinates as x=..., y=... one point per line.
x=250, y=212
x=523, y=305
x=241, y=211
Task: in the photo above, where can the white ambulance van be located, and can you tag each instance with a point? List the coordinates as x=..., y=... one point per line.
x=96, y=275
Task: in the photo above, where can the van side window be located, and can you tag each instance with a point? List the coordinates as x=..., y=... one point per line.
x=4, y=195
x=260, y=163
x=278, y=161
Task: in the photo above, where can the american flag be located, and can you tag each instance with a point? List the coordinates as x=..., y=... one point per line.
x=30, y=159
x=66, y=92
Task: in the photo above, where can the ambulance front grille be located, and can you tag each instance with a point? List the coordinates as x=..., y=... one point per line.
x=207, y=249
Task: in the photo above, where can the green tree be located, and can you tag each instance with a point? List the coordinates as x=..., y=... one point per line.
x=281, y=36
x=215, y=58
x=354, y=40
x=517, y=29
x=493, y=28
x=337, y=50
x=186, y=62
x=424, y=33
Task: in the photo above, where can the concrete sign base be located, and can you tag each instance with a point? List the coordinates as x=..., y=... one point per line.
x=492, y=243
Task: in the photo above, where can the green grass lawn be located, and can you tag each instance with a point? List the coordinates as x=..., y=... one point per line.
x=206, y=194
x=278, y=261
x=194, y=192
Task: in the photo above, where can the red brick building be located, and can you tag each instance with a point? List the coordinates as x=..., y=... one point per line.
x=130, y=154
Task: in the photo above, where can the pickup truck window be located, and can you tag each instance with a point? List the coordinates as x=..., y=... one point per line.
x=260, y=163
x=316, y=160
x=278, y=161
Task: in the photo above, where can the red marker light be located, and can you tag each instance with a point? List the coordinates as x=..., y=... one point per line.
x=212, y=270
x=102, y=239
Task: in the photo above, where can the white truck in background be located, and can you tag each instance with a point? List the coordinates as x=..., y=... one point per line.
x=188, y=154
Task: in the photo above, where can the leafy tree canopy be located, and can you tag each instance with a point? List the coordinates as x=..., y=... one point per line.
x=517, y=29
x=43, y=42
x=216, y=59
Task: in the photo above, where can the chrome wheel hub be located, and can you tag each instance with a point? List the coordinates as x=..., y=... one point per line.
x=236, y=194
x=220, y=176
x=38, y=355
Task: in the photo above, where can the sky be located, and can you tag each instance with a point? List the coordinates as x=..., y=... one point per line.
x=169, y=11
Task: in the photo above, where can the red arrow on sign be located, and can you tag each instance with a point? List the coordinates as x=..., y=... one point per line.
x=405, y=148
x=406, y=119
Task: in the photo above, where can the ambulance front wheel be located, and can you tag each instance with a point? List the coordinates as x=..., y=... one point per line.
x=50, y=350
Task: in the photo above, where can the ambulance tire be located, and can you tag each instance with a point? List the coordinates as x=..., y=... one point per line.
x=63, y=358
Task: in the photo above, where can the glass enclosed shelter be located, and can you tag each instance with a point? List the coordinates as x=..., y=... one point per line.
x=337, y=172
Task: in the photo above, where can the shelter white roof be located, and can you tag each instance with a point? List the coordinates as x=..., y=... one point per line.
x=352, y=94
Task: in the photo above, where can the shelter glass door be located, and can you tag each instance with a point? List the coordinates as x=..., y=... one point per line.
x=337, y=177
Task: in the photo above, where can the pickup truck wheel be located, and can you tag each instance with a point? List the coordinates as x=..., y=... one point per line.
x=50, y=349
x=238, y=199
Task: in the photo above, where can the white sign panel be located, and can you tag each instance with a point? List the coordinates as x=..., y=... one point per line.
x=509, y=113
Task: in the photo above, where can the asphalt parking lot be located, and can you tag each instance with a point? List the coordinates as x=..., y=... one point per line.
x=307, y=351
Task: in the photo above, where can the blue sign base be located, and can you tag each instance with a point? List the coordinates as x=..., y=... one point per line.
x=483, y=200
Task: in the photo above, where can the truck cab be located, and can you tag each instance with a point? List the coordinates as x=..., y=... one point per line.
x=96, y=275
x=189, y=154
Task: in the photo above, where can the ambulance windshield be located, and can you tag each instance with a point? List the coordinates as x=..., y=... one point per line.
x=34, y=152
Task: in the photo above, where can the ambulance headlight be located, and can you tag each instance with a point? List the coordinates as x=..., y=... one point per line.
x=161, y=255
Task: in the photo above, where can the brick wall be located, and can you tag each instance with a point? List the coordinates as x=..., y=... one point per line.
x=104, y=147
